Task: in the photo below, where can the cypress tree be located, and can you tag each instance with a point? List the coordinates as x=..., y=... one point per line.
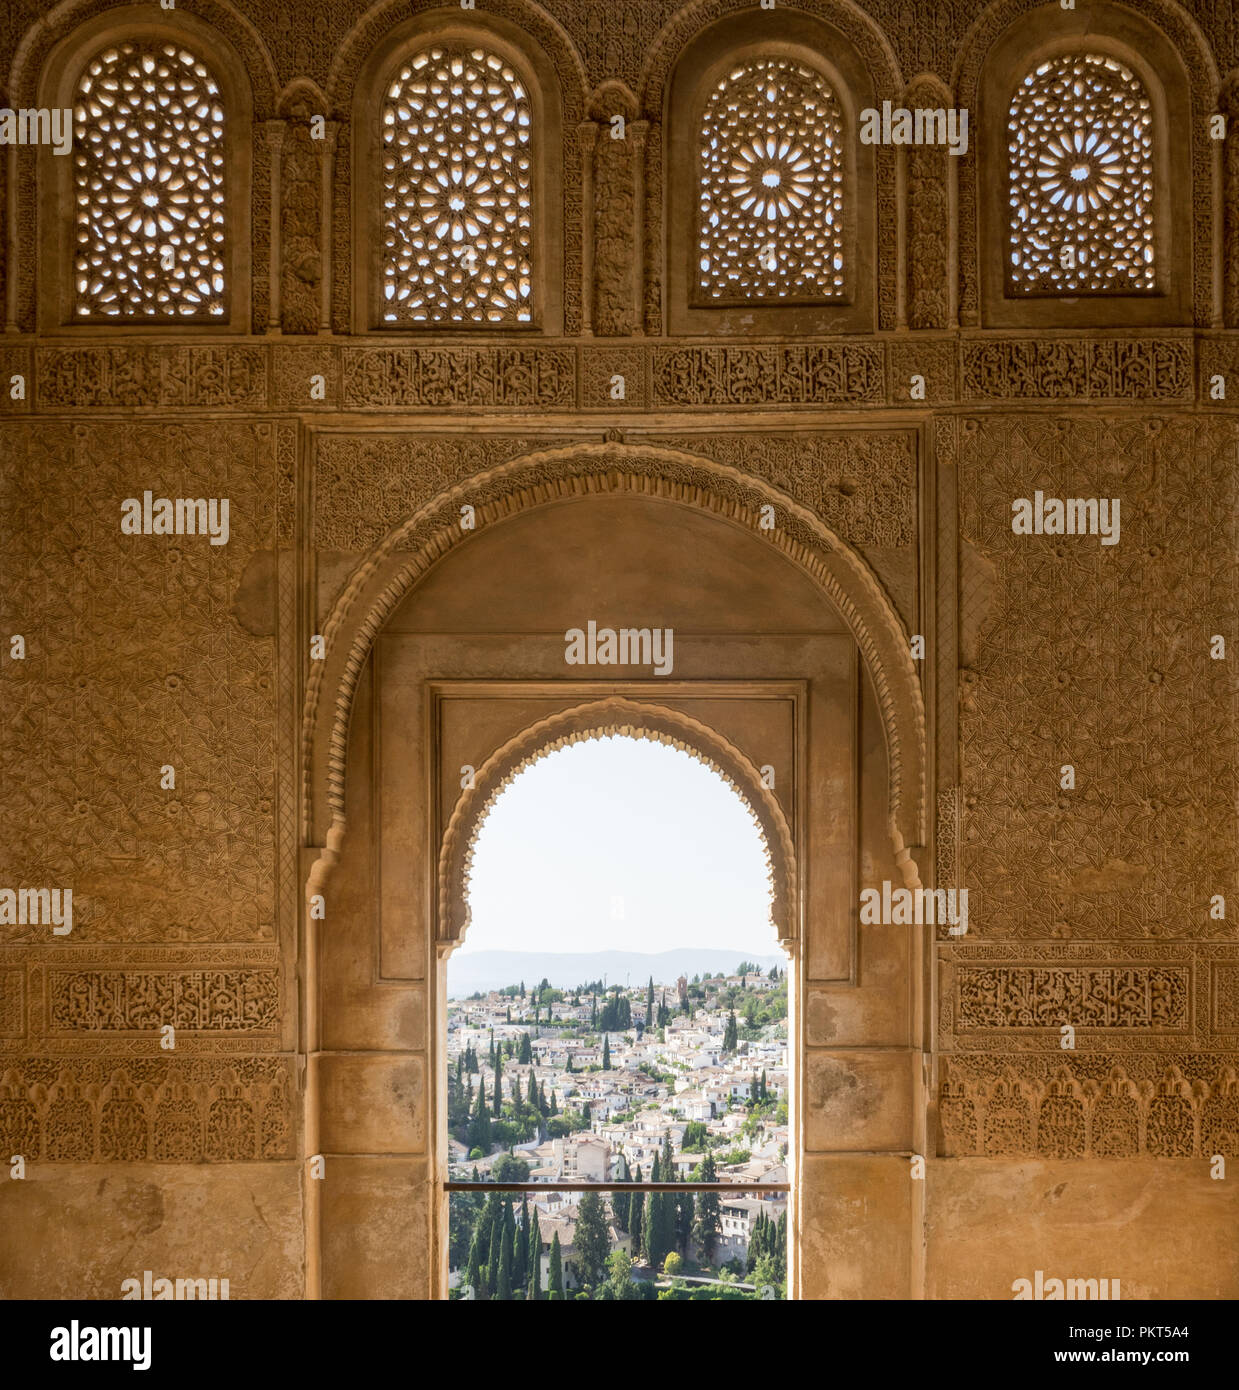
x=683, y=1221
x=503, y=1283
x=479, y=1126
x=473, y=1276
x=606, y=1053
x=592, y=1240
x=555, y=1278
x=535, y=1260
x=764, y=1093
x=649, y=1003
x=520, y=1254
x=709, y=1224
x=654, y=1250
x=636, y=1217
x=670, y=1200
x=497, y=1243
x=621, y=1201
x=486, y=1240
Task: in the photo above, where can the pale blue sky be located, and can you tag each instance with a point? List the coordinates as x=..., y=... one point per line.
x=627, y=818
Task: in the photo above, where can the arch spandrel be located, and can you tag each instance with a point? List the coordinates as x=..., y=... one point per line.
x=385, y=576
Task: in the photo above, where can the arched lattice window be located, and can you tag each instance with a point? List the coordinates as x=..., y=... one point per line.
x=770, y=222
x=149, y=176
x=456, y=214
x=1080, y=143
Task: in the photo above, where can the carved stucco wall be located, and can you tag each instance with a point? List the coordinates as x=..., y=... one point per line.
x=1090, y=907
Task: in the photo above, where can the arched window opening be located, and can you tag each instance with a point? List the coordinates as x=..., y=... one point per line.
x=149, y=180
x=770, y=223
x=457, y=190
x=617, y=1016
x=1081, y=179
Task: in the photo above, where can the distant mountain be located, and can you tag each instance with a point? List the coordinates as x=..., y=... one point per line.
x=487, y=970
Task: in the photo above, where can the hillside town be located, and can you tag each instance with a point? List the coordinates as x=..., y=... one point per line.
x=683, y=1081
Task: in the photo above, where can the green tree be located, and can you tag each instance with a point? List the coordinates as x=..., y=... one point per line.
x=520, y=1250
x=649, y=1004
x=474, y=1276
x=674, y=1263
x=493, y=1257
x=759, y=1241
x=695, y=1137
x=525, y=1057
x=636, y=1218
x=655, y=1248
x=619, y=1267
x=479, y=1125
x=621, y=1201
x=683, y=1220
x=503, y=1284
x=509, y=1168
x=555, y=1275
x=730, y=1036
x=535, y=1259
x=592, y=1241
x=606, y=1053
x=767, y=1274
x=708, y=1226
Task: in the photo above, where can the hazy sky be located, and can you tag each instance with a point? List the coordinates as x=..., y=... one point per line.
x=619, y=818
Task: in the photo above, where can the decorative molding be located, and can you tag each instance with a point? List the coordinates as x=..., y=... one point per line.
x=119, y=1109
x=825, y=374
x=1154, y=998
x=206, y=1001
x=544, y=378
x=603, y=718
x=1127, y=368
x=133, y=376
x=1153, y=1104
x=560, y=376
x=387, y=574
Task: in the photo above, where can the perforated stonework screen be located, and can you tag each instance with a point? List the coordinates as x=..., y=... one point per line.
x=149, y=186
x=457, y=191
x=771, y=211
x=1081, y=170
